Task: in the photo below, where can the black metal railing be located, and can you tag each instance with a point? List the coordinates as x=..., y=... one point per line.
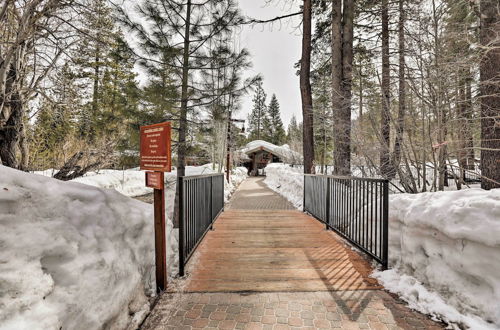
x=201, y=200
x=355, y=208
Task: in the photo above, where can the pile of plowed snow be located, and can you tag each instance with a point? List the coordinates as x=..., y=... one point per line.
x=72, y=256
x=444, y=250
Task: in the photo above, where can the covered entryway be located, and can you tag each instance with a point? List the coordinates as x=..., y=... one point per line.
x=258, y=154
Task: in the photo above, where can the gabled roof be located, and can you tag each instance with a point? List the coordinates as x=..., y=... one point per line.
x=284, y=152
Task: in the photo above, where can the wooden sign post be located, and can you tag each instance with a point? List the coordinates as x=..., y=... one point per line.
x=156, y=156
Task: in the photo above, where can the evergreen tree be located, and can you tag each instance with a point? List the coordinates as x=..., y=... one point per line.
x=257, y=119
x=56, y=121
x=92, y=60
x=277, y=133
x=179, y=34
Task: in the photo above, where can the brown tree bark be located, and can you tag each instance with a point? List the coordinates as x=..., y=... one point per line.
x=337, y=74
x=400, y=124
x=10, y=130
x=385, y=120
x=342, y=58
x=490, y=94
x=305, y=89
x=344, y=144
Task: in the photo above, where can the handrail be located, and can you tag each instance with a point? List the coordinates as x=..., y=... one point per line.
x=201, y=201
x=355, y=208
x=197, y=176
x=348, y=177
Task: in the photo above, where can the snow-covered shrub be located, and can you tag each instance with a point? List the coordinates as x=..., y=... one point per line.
x=72, y=256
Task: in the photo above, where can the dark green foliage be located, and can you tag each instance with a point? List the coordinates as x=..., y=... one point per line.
x=276, y=133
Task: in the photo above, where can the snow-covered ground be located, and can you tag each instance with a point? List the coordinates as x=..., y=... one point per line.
x=287, y=181
x=81, y=256
x=131, y=183
x=445, y=247
x=444, y=250
x=72, y=256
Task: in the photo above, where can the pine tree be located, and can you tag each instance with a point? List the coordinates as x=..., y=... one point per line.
x=56, y=121
x=92, y=60
x=276, y=132
x=178, y=34
x=294, y=135
x=257, y=119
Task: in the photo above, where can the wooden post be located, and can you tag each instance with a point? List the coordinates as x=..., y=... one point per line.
x=156, y=156
x=160, y=237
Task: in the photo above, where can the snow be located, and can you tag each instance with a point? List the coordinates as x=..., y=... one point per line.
x=131, y=183
x=449, y=242
x=444, y=250
x=81, y=256
x=287, y=181
x=428, y=302
x=72, y=256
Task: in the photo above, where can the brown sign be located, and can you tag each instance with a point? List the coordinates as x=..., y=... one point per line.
x=154, y=180
x=156, y=147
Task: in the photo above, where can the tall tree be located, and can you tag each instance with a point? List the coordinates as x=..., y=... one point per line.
x=183, y=29
x=396, y=157
x=305, y=88
x=342, y=60
x=277, y=132
x=34, y=36
x=257, y=119
x=490, y=94
x=385, y=118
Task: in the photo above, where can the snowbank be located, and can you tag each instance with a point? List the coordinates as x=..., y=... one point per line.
x=287, y=181
x=444, y=250
x=72, y=256
x=449, y=242
x=131, y=183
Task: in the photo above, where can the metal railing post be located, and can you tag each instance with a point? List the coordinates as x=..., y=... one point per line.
x=211, y=203
x=328, y=194
x=304, y=195
x=385, y=219
x=180, y=182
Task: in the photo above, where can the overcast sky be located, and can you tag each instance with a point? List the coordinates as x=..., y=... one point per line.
x=274, y=50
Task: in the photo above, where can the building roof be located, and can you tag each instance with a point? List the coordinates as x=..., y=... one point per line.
x=284, y=152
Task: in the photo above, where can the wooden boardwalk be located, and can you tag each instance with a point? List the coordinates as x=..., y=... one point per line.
x=275, y=250
x=266, y=266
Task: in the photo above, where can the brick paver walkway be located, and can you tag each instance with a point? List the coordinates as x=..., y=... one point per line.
x=237, y=298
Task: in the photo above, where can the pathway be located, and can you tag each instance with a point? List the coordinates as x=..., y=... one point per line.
x=268, y=266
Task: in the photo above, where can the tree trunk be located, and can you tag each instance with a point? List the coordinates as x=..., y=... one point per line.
x=344, y=147
x=337, y=74
x=462, y=124
x=402, y=92
x=490, y=95
x=469, y=110
x=181, y=151
x=305, y=90
x=10, y=131
x=385, y=133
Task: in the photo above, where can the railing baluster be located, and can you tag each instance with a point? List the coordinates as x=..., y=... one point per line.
x=355, y=208
x=201, y=200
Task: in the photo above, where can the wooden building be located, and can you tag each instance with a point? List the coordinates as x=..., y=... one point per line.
x=258, y=154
